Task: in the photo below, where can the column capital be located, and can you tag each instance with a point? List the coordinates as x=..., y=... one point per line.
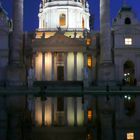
x=43, y=52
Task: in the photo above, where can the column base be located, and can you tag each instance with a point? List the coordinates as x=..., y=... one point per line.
x=106, y=75
x=16, y=75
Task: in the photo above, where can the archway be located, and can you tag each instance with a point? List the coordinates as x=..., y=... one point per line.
x=129, y=73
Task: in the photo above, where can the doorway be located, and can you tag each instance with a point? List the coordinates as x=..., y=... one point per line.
x=60, y=73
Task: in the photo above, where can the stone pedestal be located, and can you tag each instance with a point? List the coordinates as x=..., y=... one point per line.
x=106, y=74
x=16, y=75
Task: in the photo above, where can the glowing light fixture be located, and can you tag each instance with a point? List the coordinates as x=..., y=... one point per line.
x=88, y=41
x=128, y=41
x=89, y=63
x=130, y=136
x=90, y=112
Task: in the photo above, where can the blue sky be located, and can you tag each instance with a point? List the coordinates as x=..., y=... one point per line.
x=31, y=11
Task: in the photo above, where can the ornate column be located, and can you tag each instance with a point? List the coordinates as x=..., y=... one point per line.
x=65, y=66
x=43, y=66
x=105, y=33
x=52, y=73
x=75, y=66
x=17, y=48
x=75, y=111
x=106, y=72
x=16, y=73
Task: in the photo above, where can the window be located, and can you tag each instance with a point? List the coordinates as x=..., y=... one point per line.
x=89, y=61
x=130, y=136
x=62, y=20
x=127, y=21
x=128, y=41
x=88, y=41
x=83, y=23
x=90, y=112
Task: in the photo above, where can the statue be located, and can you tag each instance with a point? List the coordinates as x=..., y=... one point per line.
x=59, y=29
x=75, y=34
x=85, y=33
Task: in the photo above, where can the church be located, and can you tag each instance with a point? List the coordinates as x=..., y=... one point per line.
x=66, y=81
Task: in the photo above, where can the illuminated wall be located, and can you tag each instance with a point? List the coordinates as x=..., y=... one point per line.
x=80, y=65
x=38, y=66
x=38, y=111
x=48, y=66
x=80, y=112
x=73, y=14
x=70, y=111
x=70, y=66
x=48, y=112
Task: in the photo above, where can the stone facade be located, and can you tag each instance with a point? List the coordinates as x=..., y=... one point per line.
x=69, y=82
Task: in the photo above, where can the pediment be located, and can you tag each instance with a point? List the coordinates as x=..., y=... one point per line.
x=60, y=40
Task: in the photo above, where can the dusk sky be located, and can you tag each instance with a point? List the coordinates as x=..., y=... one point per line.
x=31, y=11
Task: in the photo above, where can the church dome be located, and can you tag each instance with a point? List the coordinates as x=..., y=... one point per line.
x=67, y=14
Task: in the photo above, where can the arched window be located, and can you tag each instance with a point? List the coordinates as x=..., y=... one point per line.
x=129, y=72
x=83, y=23
x=127, y=20
x=62, y=20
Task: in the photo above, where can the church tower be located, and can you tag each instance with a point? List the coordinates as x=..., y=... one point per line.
x=66, y=14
